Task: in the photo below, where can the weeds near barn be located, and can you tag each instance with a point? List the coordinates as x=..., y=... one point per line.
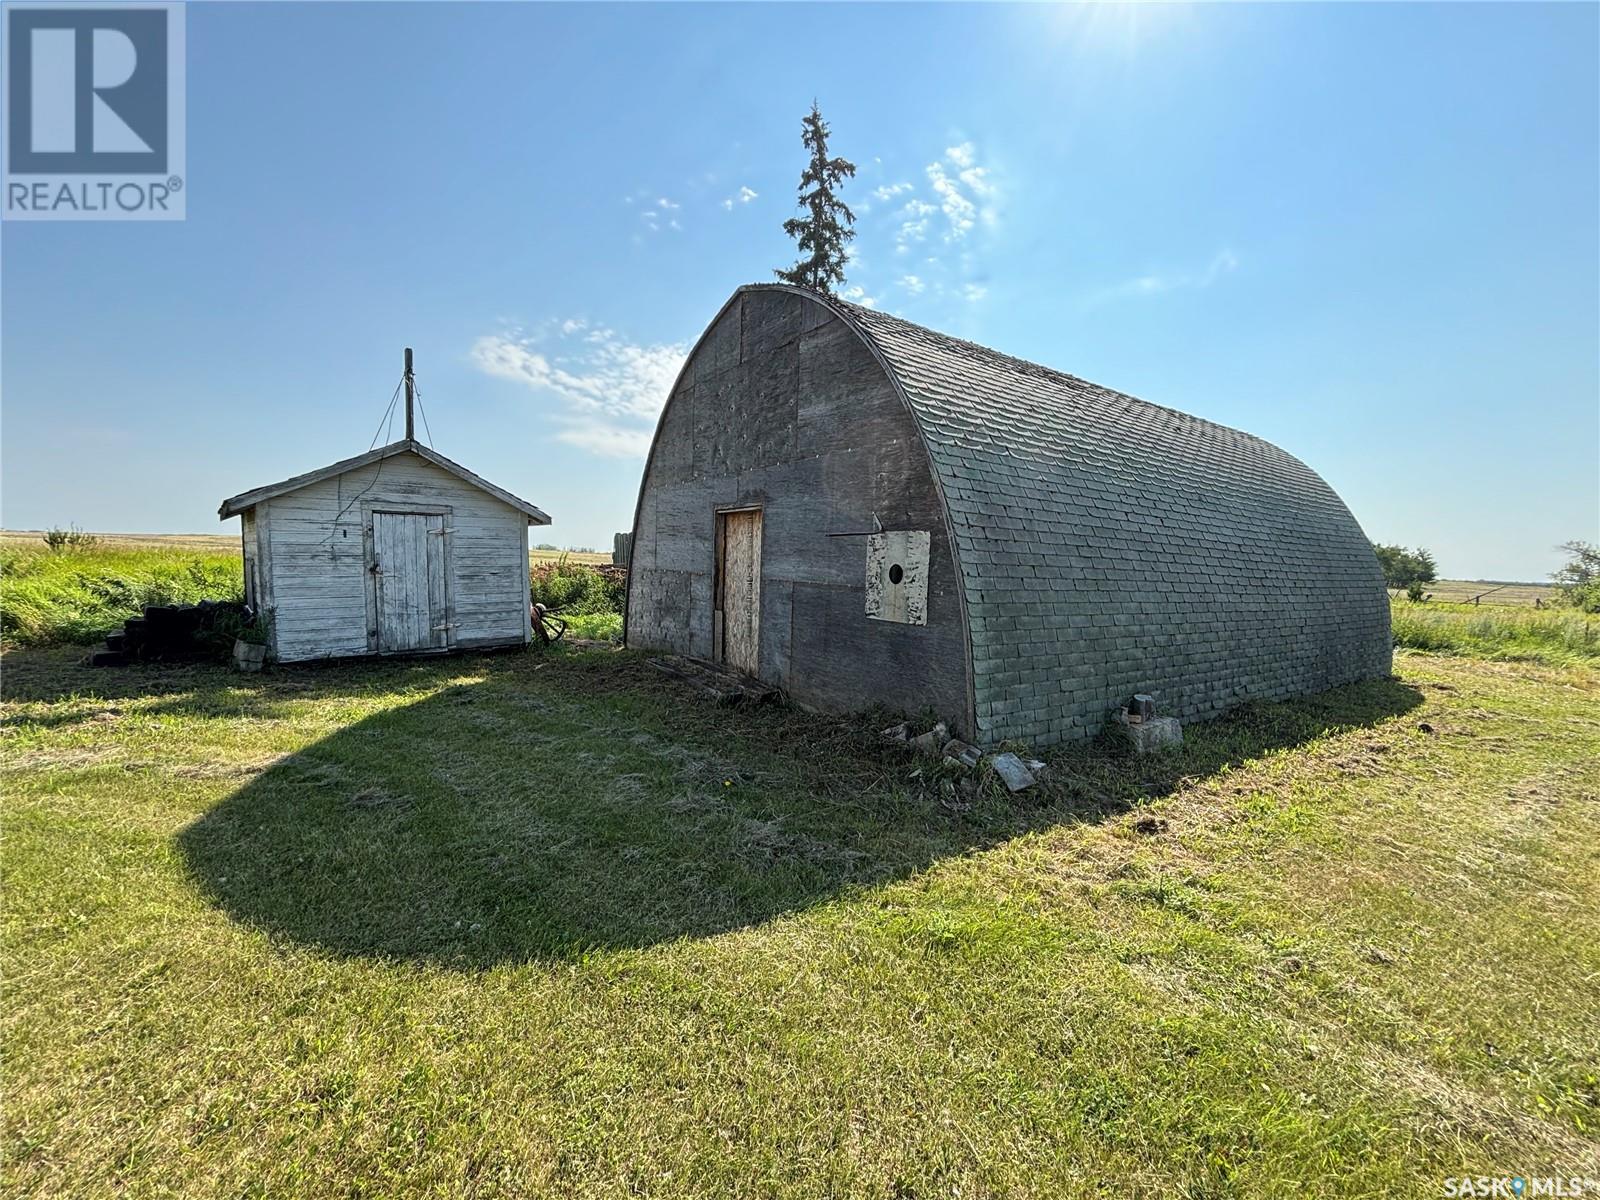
x=1555, y=636
x=589, y=597
x=545, y=924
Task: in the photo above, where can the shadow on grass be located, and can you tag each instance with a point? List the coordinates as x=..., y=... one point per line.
x=54, y=677
x=575, y=803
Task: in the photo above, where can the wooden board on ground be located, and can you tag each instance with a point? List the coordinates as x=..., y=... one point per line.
x=713, y=680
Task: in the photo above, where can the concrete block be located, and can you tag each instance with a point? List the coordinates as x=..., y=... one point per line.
x=1153, y=734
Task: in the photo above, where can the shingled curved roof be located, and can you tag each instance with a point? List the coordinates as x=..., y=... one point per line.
x=1098, y=534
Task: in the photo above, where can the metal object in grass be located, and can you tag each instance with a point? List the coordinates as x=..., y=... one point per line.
x=547, y=625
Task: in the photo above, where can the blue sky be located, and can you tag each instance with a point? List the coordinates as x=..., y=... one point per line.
x=1365, y=232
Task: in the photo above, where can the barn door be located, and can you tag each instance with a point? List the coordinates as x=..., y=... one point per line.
x=738, y=615
x=408, y=574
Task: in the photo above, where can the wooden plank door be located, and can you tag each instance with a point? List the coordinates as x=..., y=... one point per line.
x=739, y=590
x=408, y=551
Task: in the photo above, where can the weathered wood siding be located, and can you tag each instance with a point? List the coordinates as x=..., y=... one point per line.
x=315, y=546
x=739, y=591
x=252, y=560
x=782, y=407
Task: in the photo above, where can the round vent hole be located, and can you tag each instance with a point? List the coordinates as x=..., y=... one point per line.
x=896, y=574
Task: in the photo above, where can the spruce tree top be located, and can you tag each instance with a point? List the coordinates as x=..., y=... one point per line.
x=826, y=228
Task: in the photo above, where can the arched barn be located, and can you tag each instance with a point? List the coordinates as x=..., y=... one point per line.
x=858, y=510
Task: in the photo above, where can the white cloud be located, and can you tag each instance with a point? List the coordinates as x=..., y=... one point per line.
x=959, y=211
x=961, y=184
x=610, y=390
x=652, y=217
x=744, y=196
x=934, y=227
x=963, y=193
x=608, y=441
x=913, y=224
x=857, y=295
x=1223, y=262
x=663, y=202
x=1158, y=283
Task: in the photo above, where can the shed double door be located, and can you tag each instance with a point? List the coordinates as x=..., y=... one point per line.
x=738, y=612
x=408, y=574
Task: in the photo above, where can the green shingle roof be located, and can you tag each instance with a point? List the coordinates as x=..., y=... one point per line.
x=1110, y=546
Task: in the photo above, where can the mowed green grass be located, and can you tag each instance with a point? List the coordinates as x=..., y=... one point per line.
x=549, y=925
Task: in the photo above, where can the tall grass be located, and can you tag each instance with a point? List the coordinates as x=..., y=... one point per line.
x=80, y=596
x=571, y=588
x=590, y=601
x=1557, y=636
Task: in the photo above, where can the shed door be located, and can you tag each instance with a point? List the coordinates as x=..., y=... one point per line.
x=408, y=574
x=739, y=590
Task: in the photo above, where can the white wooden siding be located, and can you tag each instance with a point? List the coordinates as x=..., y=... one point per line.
x=410, y=557
x=314, y=553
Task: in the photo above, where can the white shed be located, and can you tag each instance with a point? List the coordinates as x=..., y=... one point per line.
x=396, y=551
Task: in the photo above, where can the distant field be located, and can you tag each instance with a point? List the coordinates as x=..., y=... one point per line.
x=1461, y=591
x=215, y=543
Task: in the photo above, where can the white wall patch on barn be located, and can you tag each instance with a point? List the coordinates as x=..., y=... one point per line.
x=897, y=576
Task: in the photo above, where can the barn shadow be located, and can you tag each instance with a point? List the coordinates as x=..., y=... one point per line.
x=584, y=803
x=54, y=678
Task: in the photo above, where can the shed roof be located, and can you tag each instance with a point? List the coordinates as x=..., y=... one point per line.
x=235, y=505
x=1074, y=507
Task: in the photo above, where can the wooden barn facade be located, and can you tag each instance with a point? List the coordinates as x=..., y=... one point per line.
x=859, y=510
x=396, y=551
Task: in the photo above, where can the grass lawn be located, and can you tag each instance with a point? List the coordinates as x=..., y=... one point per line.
x=531, y=924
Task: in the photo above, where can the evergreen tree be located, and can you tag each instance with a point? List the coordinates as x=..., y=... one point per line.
x=826, y=228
